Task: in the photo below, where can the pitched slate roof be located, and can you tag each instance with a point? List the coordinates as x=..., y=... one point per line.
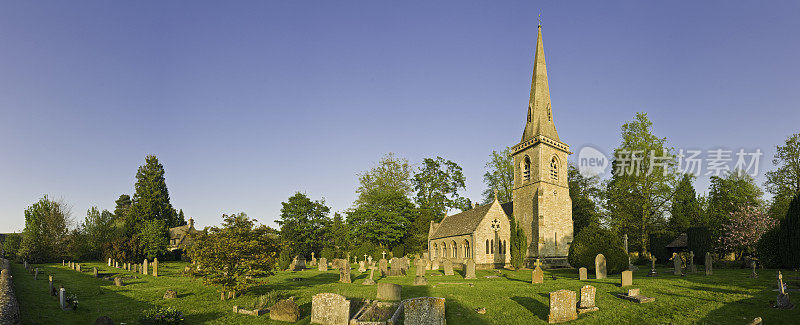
x=461, y=223
x=508, y=208
x=680, y=242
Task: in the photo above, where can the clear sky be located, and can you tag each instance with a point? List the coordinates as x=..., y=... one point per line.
x=245, y=103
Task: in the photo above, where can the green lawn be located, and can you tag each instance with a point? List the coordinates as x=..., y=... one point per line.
x=727, y=297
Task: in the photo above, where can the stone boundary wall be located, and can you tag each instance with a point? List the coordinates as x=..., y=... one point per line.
x=9, y=308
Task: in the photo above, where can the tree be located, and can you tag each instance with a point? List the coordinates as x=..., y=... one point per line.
x=642, y=181
x=46, y=227
x=181, y=218
x=11, y=245
x=784, y=182
x=743, y=230
x=338, y=234
x=123, y=206
x=727, y=195
x=584, y=192
x=437, y=184
x=685, y=210
x=789, y=235
x=519, y=243
x=231, y=255
x=383, y=218
x=151, y=199
x=303, y=223
x=154, y=238
x=391, y=173
x=499, y=176
x=99, y=229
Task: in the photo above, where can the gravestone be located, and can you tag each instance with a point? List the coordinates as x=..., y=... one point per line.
x=627, y=278
x=600, y=266
x=383, y=267
x=109, y=262
x=118, y=281
x=370, y=281
x=330, y=308
x=635, y=296
x=313, y=261
x=424, y=311
x=36, y=273
x=448, y=267
x=405, y=264
x=362, y=267
x=691, y=268
x=170, y=294
x=420, y=266
x=155, y=267
x=420, y=281
x=562, y=306
x=677, y=264
x=582, y=274
x=537, y=275
x=587, y=302
x=116, y=264
x=144, y=267
x=62, y=298
x=435, y=265
x=397, y=267
x=469, y=269
x=389, y=291
x=94, y=271
x=709, y=262
x=783, y=299
x=653, y=267
x=78, y=267
x=369, y=259
x=753, y=274
x=50, y=286
x=323, y=264
x=285, y=311
x=344, y=273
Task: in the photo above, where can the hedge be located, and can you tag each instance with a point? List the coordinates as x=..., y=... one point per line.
x=594, y=240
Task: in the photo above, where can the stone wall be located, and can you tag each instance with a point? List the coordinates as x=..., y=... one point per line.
x=9, y=308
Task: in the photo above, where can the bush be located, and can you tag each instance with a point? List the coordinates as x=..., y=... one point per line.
x=368, y=248
x=519, y=243
x=768, y=249
x=11, y=245
x=789, y=235
x=658, y=246
x=284, y=259
x=594, y=240
x=398, y=251
x=161, y=316
x=699, y=242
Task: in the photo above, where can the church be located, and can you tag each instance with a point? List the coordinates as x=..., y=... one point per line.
x=540, y=202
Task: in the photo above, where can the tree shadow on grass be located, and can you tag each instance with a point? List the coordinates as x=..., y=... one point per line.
x=534, y=306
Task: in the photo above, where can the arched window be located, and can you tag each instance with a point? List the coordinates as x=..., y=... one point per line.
x=487, y=246
x=526, y=169
x=554, y=169
x=444, y=249
x=455, y=249
x=492, y=249
x=467, y=252
x=435, y=250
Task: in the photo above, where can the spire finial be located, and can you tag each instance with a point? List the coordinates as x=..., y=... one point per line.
x=540, y=19
x=495, y=194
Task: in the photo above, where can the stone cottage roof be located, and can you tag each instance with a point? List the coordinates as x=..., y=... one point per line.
x=681, y=242
x=461, y=223
x=179, y=235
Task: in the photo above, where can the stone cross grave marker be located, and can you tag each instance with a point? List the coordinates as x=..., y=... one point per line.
x=709, y=262
x=582, y=274
x=384, y=254
x=783, y=299
x=424, y=311
x=587, y=302
x=600, y=266
x=562, y=306
x=653, y=266
x=330, y=308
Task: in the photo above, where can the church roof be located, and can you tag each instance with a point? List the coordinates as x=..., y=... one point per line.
x=680, y=242
x=540, y=116
x=463, y=223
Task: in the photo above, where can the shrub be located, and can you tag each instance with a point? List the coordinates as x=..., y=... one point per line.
x=398, y=251
x=284, y=259
x=369, y=249
x=767, y=249
x=329, y=253
x=518, y=244
x=699, y=242
x=594, y=240
x=789, y=235
x=11, y=245
x=161, y=316
x=658, y=246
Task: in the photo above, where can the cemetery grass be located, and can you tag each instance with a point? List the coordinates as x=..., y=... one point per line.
x=727, y=297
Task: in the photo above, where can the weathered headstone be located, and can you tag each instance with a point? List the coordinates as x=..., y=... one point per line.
x=783, y=299
x=691, y=268
x=389, y=291
x=582, y=274
x=116, y=264
x=50, y=286
x=118, y=281
x=635, y=296
x=627, y=278
x=170, y=294
x=369, y=259
x=36, y=273
x=63, y=263
x=362, y=266
x=109, y=262
x=420, y=266
x=285, y=311
x=424, y=311
x=676, y=264
x=587, y=302
x=469, y=269
x=62, y=298
x=420, y=281
x=344, y=273
x=405, y=264
x=753, y=274
x=397, y=267
x=435, y=265
x=600, y=266
x=537, y=275
x=562, y=306
x=383, y=267
x=448, y=267
x=323, y=264
x=330, y=309
x=145, y=267
x=709, y=262
x=78, y=267
x=94, y=271
x=313, y=261
x=155, y=267
x=370, y=281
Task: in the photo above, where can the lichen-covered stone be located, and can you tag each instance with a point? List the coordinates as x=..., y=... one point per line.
x=330, y=309
x=285, y=311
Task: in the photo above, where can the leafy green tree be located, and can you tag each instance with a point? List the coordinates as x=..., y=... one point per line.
x=584, y=192
x=122, y=208
x=99, y=229
x=46, y=228
x=437, y=184
x=789, y=235
x=784, y=182
x=642, y=182
x=685, y=210
x=499, y=176
x=728, y=194
x=233, y=254
x=339, y=233
x=519, y=243
x=154, y=238
x=11, y=246
x=151, y=199
x=303, y=223
x=383, y=218
x=78, y=245
x=391, y=173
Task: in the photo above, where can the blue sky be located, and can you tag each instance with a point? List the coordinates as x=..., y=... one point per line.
x=245, y=103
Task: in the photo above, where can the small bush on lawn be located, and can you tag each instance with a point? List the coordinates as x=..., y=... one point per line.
x=284, y=259
x=594, y=240
x=767, y=249
x=161, y=316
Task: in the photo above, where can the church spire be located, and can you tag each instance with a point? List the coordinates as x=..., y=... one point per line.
x=540, y=115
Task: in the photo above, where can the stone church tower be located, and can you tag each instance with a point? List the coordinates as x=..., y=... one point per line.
x=542, y=206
